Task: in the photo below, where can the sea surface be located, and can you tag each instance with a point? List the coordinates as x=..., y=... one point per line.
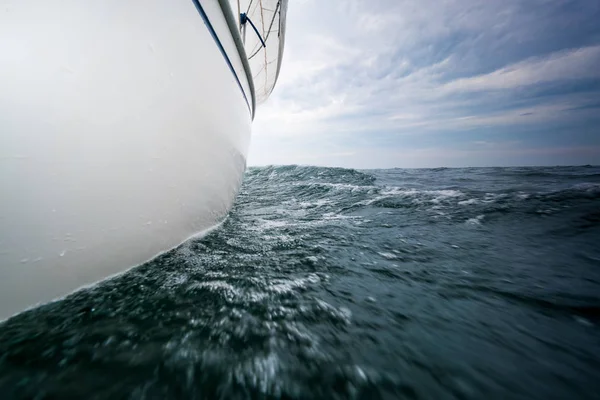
x=327, y=283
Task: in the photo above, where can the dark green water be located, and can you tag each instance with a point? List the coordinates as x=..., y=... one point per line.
x=333, y=284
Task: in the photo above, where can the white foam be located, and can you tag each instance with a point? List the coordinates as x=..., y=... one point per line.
x=341, y=186
x=398, y=191
x=475, y=221
x=417, y=196
x=284, y=286
x=468, y=202
x=263, y=372
x=315, y=204
x=588, y=187
x=278, y=238
x=174, y=280
x=270, y=224
x=342, y=313
x=212, y=285
x=389, y=256
x=333, y=216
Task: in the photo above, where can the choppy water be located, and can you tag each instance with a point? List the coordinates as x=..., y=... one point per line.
x=335, y=283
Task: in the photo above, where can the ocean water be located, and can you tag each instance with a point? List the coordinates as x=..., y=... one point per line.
x=344, y=284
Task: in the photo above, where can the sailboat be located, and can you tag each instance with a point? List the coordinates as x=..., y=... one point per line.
x=124, y=131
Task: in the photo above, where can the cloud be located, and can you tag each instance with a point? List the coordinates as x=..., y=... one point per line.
x=366, y=76
x=579, y=63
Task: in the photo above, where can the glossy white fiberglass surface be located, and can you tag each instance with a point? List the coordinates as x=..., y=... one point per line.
x=122, y=133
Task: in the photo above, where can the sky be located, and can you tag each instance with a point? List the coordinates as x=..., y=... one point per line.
x=433, y=83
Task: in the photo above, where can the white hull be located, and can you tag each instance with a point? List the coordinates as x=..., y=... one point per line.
x=122, y=133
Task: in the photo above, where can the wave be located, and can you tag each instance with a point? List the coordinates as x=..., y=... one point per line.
x=299, y=173
x=318, y=272
x=580, y=191
x=588, y=308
